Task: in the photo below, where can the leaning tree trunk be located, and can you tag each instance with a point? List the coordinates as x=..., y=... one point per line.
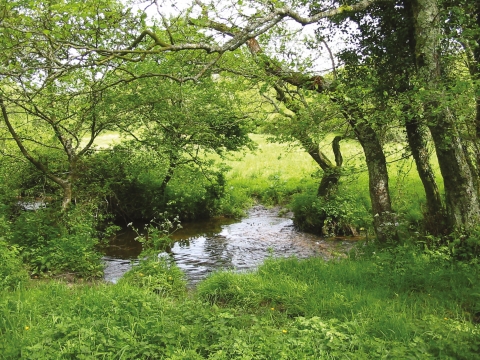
x=463, y=211
x=434, y=220
x=331, y=177
x=64, y=184
x=331, y=172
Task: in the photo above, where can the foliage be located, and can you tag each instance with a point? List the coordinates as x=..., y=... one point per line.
x=463, y=246
x=50, y=242
x=335, y=215
x=12, y=271
x=156, y=270
x=158, y=274
x=155, y=236
x=128, y=181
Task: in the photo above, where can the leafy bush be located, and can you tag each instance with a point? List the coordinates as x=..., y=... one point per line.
x=191, y=195
x=336, y=215
x=55, y=242
x=158, y=274
x=466, y=246
x=130, y=181
x=12, y=271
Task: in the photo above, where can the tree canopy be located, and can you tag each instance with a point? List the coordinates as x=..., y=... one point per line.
x=177, y=81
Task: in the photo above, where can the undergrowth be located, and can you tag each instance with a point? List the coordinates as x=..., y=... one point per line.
x=389, y=304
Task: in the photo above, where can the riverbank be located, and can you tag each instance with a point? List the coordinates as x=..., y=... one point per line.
x=397, y=303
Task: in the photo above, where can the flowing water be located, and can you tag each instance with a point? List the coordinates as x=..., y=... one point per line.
x=203, y=247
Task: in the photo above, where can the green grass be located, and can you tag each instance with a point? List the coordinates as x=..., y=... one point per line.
x=275, y=172
x=400, y=303
x=393, y=304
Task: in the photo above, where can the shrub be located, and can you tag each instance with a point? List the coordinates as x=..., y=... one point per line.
x=337, y=215
x=55, y=242
x=158, y=274
x=131, y=182
x=12, y=272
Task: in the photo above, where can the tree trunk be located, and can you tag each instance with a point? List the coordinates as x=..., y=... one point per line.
x=64, y=184
x=463, y=211
x=331, y=173
x=434, y=220
x=384, y=219
x=474, y=68
x=67, y=195
x=461, y=196
x=167, y=178
x=331, y=177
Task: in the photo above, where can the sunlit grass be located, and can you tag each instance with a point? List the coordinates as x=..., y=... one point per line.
x=274, y=172
x=106, y=139
x=396, y=304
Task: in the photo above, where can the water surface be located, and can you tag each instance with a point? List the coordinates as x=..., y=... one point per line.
x=221, y=243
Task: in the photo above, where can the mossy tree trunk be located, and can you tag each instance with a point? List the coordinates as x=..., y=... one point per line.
x=331, y=172
x=463, y=211
x=434, y=220
x=384, y=218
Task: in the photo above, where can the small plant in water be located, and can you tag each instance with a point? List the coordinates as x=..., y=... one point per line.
x=156, y=233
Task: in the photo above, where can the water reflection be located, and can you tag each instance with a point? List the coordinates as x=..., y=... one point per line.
x=207, y=246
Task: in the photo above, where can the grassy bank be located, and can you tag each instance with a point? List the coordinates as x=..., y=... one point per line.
x=398, y=303
x=394, y=304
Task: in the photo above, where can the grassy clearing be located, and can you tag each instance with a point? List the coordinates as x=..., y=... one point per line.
x=269, y=175
x=393, y=304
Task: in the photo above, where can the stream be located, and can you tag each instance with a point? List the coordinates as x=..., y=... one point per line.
x=221, y=243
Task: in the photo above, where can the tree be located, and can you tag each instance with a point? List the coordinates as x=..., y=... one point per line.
x=51, y=94
x=383, y=214
x=183, y=123
x=463, y=208
x=384, y=45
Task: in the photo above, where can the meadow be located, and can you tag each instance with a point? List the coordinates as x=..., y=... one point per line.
x=392, y=304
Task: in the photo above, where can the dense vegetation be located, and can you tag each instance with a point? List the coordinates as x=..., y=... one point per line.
x=392, y=304
x=113, y=113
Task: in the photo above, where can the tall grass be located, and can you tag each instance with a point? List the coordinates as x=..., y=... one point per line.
x=389, y=304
